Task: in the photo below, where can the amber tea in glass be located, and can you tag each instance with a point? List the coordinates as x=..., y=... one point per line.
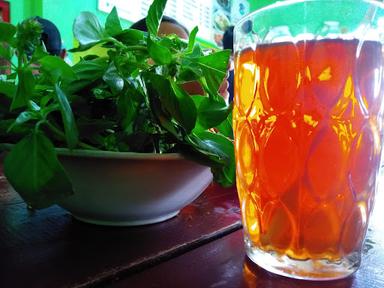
x=308, y=118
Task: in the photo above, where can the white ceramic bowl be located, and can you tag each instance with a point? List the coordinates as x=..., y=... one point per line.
x=128, y=189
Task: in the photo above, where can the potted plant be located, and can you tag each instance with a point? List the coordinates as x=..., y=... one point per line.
x=113, y=139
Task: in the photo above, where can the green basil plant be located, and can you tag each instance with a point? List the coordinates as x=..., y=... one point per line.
x=130, y=100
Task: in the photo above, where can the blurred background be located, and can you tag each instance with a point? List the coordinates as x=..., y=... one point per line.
x=212, y=16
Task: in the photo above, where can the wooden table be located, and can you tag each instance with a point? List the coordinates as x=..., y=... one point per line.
x=201, y=247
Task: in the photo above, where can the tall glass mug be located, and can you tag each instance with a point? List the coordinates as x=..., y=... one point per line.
x=308, y=123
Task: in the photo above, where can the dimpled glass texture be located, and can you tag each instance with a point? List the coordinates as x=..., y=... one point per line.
x=308, y=133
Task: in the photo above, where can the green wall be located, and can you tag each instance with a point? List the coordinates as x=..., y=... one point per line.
x=256, y=4
x=21, y=9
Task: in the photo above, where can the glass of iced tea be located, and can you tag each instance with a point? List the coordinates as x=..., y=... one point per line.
x=308, y=124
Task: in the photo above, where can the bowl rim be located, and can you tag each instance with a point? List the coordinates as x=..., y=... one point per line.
x=102, y=154
x=117, y=155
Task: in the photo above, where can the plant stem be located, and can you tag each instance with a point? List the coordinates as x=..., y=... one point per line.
x=136, y=47
x=125, y=47
x=87, y=146
x=58, y=132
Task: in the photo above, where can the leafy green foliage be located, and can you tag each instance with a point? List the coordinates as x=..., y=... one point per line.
x=215, y=150
x=192, y=39
x=7, y=31
x=8, y=89
x=225, y=127
x=56, y=68
x=87, y=29
x=131, y=37
x=112, y=25
x=27, y=37
x=134, y=99
x=214, y=67
x=35, y=172
x=159, y=53
x=6, y=52
x=213, y=112
x=24, y=89
x=186, y=106
x=128, y=105
x=223, y=147
x=155, y=14
x=23, y=117
x=70, y=128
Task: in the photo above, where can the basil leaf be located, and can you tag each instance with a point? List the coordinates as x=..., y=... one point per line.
x=197, y=51
x=173, y=100
x=162, y=89
x=187, y=113
x=209, y=154
x=70, y=128
x=8, y=89
x=155, y=14
x=87, y=29
x=214, y=67
x=113, y=79
x=39, y=53
x=90, y=69
x=34, y=171
x=192, y=39
x=112, y=24
x=198, y=99
x=213, y=112
x=131, y=37
x=166, y=42
x=225, y=174
x=6, y=52
x=24, y=89
x=87, y=72
x=162, y=100
x=23, y=118
x=7, y=31
x=160, y=54
x=57, y=68
x=219, y=151
x=127, y=106
x=225, y=127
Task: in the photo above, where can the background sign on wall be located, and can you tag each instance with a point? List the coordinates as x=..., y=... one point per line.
x=190, y=13
x=4, y=11
x=212, y=16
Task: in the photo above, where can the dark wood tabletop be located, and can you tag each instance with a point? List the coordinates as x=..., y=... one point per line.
x=201, y=247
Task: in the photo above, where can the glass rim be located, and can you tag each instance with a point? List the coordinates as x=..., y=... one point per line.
x=279, y=4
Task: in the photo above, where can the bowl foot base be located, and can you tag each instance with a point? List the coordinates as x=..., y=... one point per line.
x=137, y=222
